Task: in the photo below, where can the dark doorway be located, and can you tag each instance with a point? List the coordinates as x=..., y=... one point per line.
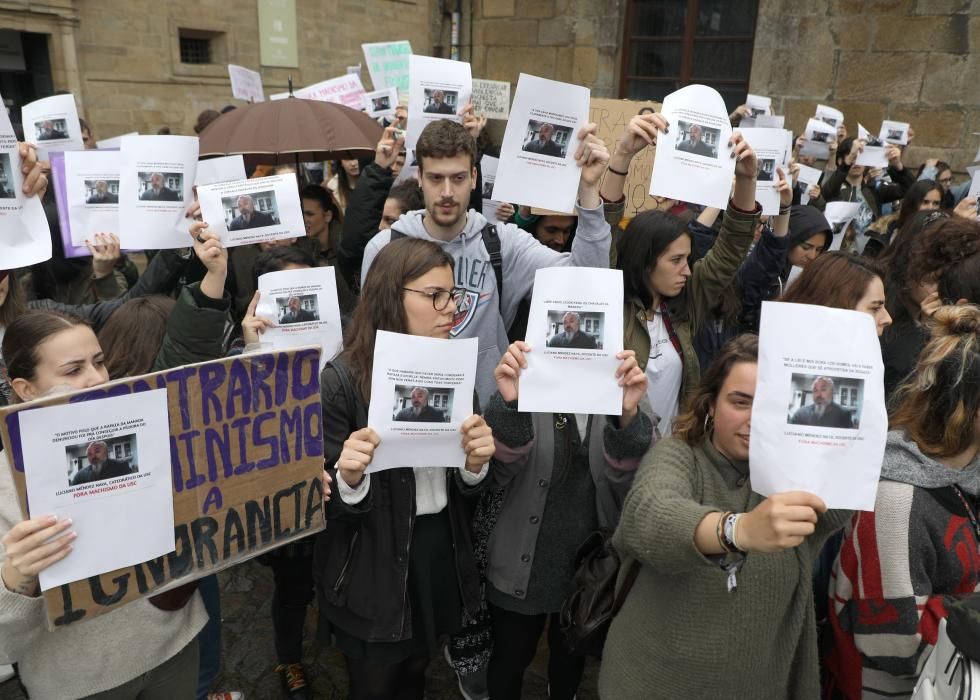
x=22, y=82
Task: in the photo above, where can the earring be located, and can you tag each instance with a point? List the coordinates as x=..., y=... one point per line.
x=708, y=420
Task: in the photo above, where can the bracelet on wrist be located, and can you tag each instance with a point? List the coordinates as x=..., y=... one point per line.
x=617, y=172
x=727, y=533
x=784, y=210
x=738, y=519
x=718, y=530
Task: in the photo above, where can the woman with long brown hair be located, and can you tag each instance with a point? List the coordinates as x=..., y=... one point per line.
x=395, y=567
x=722, y=605
x=902, y=564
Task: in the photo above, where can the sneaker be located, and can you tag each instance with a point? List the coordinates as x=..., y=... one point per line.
x=227, y=695
x=293, y=677
x=472, y=686
x=6, y=672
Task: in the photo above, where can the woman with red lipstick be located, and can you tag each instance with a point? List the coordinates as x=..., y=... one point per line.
x=395, y=567
x=724, y=574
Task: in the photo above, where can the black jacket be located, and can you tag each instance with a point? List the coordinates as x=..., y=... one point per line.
x=836, y=188
x=361, y=559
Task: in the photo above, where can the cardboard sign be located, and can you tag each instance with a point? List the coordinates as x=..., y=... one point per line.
x=612, y=116
x=491, y=98
x=387, y=63
x=246, y=453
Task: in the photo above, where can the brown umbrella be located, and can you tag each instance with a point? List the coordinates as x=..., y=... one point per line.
x=291, y=130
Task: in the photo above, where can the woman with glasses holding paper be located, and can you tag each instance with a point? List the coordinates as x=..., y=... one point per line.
x=667, y=299
x=901, y=566
x=722, y=601
x=395, y=566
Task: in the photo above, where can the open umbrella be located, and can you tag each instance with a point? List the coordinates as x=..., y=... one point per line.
x=291, y=130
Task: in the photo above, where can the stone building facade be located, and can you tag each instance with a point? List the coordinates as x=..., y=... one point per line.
x=907, y=60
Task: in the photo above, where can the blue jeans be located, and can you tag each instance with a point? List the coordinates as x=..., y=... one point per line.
x=210, y=636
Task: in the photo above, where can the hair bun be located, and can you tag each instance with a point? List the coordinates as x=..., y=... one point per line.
x=957, y=319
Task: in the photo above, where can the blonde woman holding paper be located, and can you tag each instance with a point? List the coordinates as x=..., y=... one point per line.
x=395, y=566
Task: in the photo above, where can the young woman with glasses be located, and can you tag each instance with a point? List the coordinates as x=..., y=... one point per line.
x=395, y=566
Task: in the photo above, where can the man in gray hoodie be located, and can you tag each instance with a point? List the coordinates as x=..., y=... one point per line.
x=446, y=154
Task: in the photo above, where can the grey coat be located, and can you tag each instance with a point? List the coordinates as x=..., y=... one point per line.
x=523, y=468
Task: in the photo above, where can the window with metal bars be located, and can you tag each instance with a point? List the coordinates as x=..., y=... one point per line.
x=672, y=43
x=195, y=49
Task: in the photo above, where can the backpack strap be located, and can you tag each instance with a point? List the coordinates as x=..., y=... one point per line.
x=491, y=241
x=396, y=234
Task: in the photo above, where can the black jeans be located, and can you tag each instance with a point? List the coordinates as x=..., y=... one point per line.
x=374, y=680
x=515, y=641
x=292, y=595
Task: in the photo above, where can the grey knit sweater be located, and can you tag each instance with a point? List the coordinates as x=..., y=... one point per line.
x=680, y=633
x=86, y=657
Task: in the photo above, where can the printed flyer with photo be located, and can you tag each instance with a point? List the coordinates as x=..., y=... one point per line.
x=26, y=238
x=250, y=211
x=52, y=124
x=92, y=183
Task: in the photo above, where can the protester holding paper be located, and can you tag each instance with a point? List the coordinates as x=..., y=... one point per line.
x=149, y=646
x=923, y=195
x=447, y=157
x=666, y=299
x=562, y=476
x=395, y=567
x=723, y=572
x=903, y=564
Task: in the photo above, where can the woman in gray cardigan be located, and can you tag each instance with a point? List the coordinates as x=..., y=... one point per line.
x=562, y=477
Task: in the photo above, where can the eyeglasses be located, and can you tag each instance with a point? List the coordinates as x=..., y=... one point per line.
x=945, y=180
x=440, y=297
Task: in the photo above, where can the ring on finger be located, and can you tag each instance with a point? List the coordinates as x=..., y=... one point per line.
x=200, y=239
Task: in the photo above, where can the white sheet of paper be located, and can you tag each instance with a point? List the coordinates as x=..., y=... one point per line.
x=840, y=215
x=26, y=238
x=380, y=103
x=536, y=171
x=829, y=115
x=115, y=141
x=563, y=298
x=438, y=89
x=276, y=210
x=92, y=182
x=52, y=124
x=834, y=452
x=491, y=98
x=246, y=84
x=387, y=64
x=304, y=306
x=770, y=150
x=894, y=132
x=121, y=518
x=873, y=153
x=770, y=121
x=426, y=435
x=808, y=176
x=488, y=167
x=154, y=216
x=699, y=170
x=816, y=135
x=220, y=169
x=758, y=105
x=974, y=191
x=345, y=90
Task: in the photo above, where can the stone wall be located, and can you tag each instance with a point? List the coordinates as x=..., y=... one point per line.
x=909, y=60
x=129, y=75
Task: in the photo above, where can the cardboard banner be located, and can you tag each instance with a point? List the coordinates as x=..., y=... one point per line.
x=246, y=454
x=612, y=116
x=491, y=98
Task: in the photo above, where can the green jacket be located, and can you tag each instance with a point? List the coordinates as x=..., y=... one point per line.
x=709, y=277
x=197, y=330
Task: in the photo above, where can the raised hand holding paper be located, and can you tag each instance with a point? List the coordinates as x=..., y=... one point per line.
x=839, y=216
x=872, y=154
x=438, y=89
x=818, y=418
x=92, y=184
x=770, y=146
x=816, y=136
x=380, y=103
x=303, y=305
x=52, y=124
x=251, y=211
x=106, y=465
x=830, y=116
x=692, y=161
x=26, y=238
x=245, y=84
x=808, y=177
x=894, y=132
x=421, y=392
x=155, y=180
x=537, y=159
x=575, y=330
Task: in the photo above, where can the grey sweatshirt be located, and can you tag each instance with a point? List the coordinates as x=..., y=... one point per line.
x=88, y=657
x=904, y=462
x=481, y=315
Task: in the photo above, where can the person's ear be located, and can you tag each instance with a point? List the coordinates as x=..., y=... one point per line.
x=328, y=214
x=24, y=389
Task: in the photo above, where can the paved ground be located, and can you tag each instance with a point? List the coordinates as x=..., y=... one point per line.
x=249, y=658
